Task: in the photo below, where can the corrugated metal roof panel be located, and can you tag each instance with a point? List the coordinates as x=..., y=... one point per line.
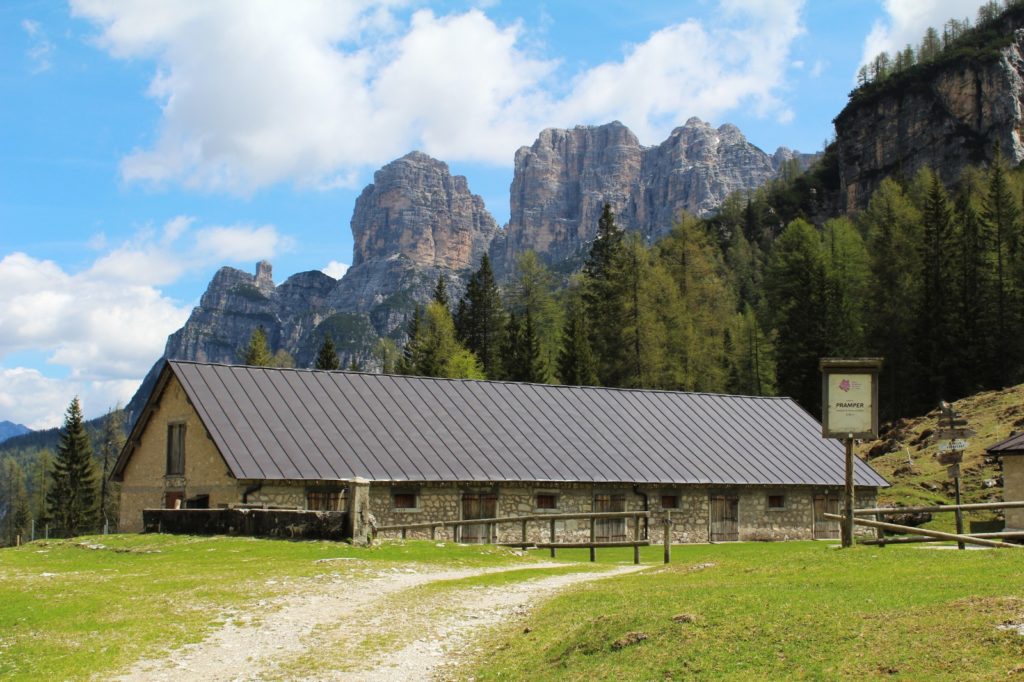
x=317, y=425
x=1014, y=445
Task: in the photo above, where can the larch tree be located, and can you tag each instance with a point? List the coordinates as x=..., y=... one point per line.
x=257, y=352
x=72, y=495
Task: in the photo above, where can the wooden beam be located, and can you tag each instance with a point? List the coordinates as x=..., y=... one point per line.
x=516, y=519
x=937, y=508
x=925, y=531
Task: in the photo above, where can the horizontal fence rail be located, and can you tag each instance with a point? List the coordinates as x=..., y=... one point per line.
x=936, y=534
x=884, y=511
x=515, y=519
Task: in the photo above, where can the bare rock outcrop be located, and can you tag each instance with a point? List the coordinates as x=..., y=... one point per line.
x=562, y=181
x=944, y=116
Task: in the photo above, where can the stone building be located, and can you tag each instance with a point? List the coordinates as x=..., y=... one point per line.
x=1011, y=451
x=414, y=449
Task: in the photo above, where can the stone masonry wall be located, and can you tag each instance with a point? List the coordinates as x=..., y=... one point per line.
x=145, y=480
x=1013, y=489
x=690, y=519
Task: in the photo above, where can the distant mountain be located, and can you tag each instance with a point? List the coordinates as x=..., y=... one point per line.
x=10, y=430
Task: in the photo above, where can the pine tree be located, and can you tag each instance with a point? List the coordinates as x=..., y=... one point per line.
x=440, y=354
x=751, y=356
x=481, y=319
x=575, y=359
x=257, y=352
x=441, y=291
x=327, y=356
x=72, y=497
x=14, y=511
x=110, y=447
x=847, y=273
x=972, y=291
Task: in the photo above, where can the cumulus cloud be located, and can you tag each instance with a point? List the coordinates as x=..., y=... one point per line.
x=906, y=22
x=335, y=269
x=102, y=328
x=315, y=92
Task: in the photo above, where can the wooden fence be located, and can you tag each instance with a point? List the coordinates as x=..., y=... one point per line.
x=928, y=535
x=492, y=524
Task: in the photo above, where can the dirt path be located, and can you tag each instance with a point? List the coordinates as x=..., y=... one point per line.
x=306, y=632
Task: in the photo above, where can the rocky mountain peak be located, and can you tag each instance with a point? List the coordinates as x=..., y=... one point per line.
x=417, y=210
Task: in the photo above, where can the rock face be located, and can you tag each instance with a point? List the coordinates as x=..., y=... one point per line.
x=953, y=117
x=562, y=181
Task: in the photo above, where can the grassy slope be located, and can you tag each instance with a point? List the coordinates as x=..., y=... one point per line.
x=67, y=611
x=779, y=611
x=993, y=414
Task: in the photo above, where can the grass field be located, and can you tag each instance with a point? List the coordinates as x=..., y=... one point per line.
x=780, y=611
x=68, y=610
x=741, y=611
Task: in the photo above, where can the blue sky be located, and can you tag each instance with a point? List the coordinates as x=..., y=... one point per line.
x=145, y=144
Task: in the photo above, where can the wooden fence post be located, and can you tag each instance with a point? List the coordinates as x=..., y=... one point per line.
x=668, y=536
x=552, y=538
x=593, y=538
x=524, y=534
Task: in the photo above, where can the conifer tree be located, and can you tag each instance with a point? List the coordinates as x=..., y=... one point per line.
x=481, y=319
x=575, y=359
x=972, y=291
x=794, y=286
x=440, y=354
x=847, y=273
x=411, y=352
x=441, y=291
x=327, y=356
x=892, y=225
x=386, y=354
x=257, y=352
x=110, y=447
x=354, y=365
x=531, y=291
x=751, y=356
x=14, y=510
x=522, y=358
x=72, y=496
x=604, y=295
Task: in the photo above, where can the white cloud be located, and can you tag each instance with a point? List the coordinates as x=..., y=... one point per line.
x=103, y=327
x=335, y=269
x=28, y=397
x=906, y=22
x=40, y=51
x=258, y=92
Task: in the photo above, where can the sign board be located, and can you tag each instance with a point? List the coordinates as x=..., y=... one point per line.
x=849, y=397
x=955, y=444
x=948, y=457
x=954, y=471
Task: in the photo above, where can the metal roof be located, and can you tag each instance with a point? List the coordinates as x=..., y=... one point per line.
x=1014, y=445
x=272, y=424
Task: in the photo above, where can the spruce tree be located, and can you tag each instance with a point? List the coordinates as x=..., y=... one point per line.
x=481, y=319
x=604, y=294
x=72, y=496
x=411, y=352
x=327, y=356
x=531, y=291
x=522, y=359
x=575, y=359
x=441, y=291
x=257, y=352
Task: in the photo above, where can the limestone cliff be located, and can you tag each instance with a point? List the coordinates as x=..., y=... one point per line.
x=945, y=115
x=562, y=181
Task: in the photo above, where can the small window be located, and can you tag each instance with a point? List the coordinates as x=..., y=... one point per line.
x=546, y=501
x=403, y=500
x=776, y=501
x=175, y=449
x=323, y=500
x=670, y=502
x=198, y=502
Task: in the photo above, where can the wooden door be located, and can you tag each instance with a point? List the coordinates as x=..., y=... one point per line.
x=826, y=529
x=609, y=530
x=725, y=518
x=478, y=506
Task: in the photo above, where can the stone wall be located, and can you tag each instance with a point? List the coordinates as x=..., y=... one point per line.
x=145, y=477
x=1013, y=489
x=690, y=518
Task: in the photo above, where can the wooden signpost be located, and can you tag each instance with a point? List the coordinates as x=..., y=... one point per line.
x=849, y=396
x=952, y=436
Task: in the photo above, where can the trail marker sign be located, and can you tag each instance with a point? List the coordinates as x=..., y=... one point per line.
x=849, y=390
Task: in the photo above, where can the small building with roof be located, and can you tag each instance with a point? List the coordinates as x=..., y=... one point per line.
x=727, y=467
x=1011, y=452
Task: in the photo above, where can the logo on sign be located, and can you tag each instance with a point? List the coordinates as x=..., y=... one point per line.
x=844, y=385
